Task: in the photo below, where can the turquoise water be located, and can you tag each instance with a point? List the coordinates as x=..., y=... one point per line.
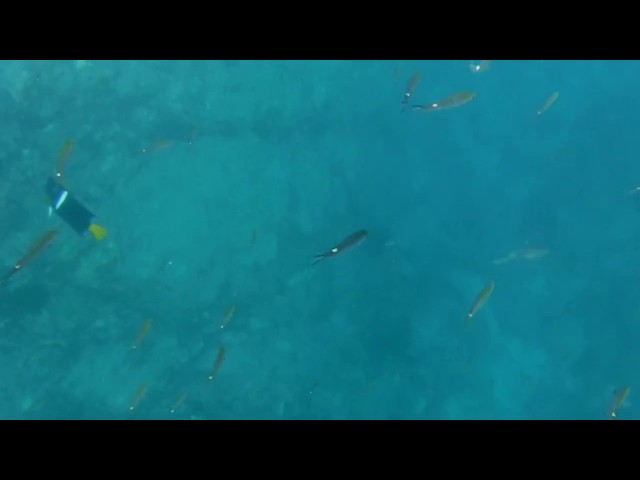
x=218, y=182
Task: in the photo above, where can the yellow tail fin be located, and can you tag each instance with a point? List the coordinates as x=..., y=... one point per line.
x=97, y=231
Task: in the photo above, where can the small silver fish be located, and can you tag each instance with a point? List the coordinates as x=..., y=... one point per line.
x=348, y=243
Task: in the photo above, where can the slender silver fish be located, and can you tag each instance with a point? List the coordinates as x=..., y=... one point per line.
x=348, y=243
x=453, y=101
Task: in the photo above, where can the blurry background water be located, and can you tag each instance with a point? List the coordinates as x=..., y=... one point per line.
x=219, y=181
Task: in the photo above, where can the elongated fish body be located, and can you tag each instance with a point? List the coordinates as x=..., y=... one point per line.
x=411, y=87
x=43, y=242
x=481, y=300
x=619, y=397
x=453, y=101
x=348, y=243
x=550, y=101
x=523, y=254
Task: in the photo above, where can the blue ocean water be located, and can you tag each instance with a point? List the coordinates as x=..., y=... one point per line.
x=218, y=182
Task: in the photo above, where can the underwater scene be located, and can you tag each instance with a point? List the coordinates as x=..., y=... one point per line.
x=322, y=240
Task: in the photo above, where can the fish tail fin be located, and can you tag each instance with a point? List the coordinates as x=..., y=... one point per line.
x=318, y=258
x=97, y=231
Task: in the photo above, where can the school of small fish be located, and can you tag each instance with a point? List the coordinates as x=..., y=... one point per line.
x=453, y=101
x=460, y=99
